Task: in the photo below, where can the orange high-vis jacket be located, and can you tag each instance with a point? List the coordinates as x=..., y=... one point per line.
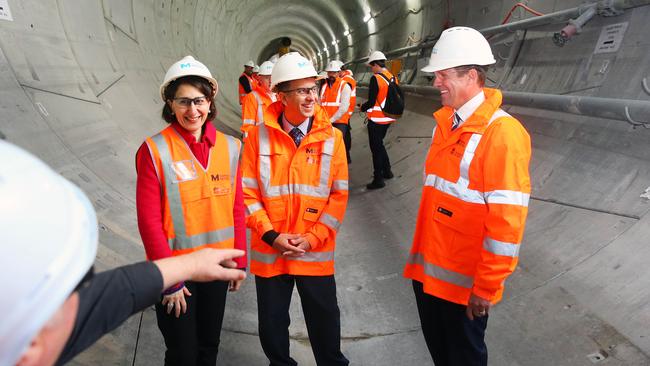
x=198, y=203
x=298, y=190
x=474, y=204
x=253, y=107
x=330, y=99
x=376, y=114
x=353, y=96
x=242, y=91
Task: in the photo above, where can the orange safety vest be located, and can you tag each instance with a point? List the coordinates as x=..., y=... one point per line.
x=330, y=99
x=198, y=203
x=376, y=113
x=291, y=189
x=242, y=92
x=253, y=107
x=473, y=206
x=353, y=96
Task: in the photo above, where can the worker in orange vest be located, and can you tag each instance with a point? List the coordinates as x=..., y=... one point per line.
x=378, y=122
x=258, y=100
x=347, y=75
x=246, y=81
x=474, y=203
x=295, y=179
x=335, y=97
x=255, y=76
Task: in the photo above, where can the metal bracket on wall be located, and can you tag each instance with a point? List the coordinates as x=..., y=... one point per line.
x=633, y=122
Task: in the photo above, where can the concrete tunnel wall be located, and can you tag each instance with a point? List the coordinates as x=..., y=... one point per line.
x=79, y=88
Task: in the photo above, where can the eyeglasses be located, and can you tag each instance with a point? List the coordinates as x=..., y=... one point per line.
x=186, y=102
x=303, y=92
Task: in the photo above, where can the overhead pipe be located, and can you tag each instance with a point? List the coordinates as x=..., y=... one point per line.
x=610, y=108
x=602, y=7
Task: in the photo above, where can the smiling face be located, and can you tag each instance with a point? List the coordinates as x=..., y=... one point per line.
x=456, y=89
x=191, y=117
x=299, y=103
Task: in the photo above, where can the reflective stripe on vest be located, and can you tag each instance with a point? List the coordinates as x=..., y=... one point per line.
x=440, y=273
x=460, y=189
x=269, y=191
x=181, y=239
x=307, y=257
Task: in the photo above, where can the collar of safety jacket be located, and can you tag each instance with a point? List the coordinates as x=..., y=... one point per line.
x=476, y=122
x=321, y=127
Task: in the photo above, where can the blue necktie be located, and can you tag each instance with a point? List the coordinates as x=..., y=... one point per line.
x=296, y=135
x=457, y=121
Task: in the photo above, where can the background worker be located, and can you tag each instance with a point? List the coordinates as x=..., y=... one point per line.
x=295, y=180
x=57, y=307
x=258, y=100
x=474, y=203
x=188, y=197
x=254, y=75
x=378, y=122
x=335, y=99
x=347, y=76
x=246, y=81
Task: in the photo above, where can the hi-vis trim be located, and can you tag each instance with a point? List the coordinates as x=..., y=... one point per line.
x=307, y=257
x=440, y=273
x=249, y=122
x=260, y=108
x=249, y=182
x=269, y=191
x=253, y=207
x=508, y=197
x=330, y=221
x=501, y=247
x=460, y=188
x=182, y=240
x=340, y=185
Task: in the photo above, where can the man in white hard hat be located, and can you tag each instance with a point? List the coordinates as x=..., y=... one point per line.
x=378, y=122
x=335, y=96
x=295, y=178
x=55, y=306
x=258, y=100
x=246, y=81
x=474, y=203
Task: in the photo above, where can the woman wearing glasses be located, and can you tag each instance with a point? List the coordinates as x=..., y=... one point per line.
x=189, y=197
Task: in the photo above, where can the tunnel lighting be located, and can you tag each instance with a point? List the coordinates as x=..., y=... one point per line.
x=325, y=49
x=334, y=42
x=346, y=33
x=367, y=18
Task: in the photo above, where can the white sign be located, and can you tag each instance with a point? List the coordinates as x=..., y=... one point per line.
x=5, y=13
x=611, y=38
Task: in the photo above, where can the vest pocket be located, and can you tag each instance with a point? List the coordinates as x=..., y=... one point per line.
x=465, y=218
x=312, y=210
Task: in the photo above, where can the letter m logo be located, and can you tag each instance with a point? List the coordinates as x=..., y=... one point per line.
x=183, y=66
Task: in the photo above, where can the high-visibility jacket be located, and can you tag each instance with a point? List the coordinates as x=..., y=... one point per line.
x=376, y=114
x=298, y=190
x=473, y=206
x=330, y=99
x=198, y=203
x=253, y=107
x=242, y=91
x=353, y=95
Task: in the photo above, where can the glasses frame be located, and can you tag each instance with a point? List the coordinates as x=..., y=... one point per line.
x=303, y=91
x=187, y=102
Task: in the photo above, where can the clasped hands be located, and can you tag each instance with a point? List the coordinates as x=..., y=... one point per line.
x=292, y=245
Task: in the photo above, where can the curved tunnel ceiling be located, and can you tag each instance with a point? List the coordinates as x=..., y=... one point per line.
x=79, y=86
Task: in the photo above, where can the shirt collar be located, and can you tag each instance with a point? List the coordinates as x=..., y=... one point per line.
x=287, y=127
x=467, y=109
x=209, y=133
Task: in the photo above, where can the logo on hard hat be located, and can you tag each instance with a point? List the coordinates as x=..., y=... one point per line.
x=302, y=64
x=186, y=65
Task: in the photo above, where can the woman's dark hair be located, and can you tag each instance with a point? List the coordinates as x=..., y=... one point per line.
x=196, y=81
x=381, y=63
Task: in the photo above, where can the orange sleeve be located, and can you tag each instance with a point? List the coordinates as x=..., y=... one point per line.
x=256, y=217
x=248, y=112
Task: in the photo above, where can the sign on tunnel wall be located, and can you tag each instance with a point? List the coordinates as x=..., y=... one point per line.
x=611, y=38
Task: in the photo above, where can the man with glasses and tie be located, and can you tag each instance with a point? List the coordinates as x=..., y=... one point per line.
x=474, y=203
x=295, y=180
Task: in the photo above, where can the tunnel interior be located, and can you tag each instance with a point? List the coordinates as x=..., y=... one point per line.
x=79, y=88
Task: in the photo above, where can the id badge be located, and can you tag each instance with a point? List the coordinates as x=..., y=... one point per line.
x=184, y=170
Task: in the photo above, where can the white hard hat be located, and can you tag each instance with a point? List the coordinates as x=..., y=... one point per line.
x=459, y=46
x=292, y=66
x=333, y=66
x=250, y=63
x=48, y=235
x=266, y=68
x=188, y=66
x=339, y=62
x=256, y=68
x=376, y=56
